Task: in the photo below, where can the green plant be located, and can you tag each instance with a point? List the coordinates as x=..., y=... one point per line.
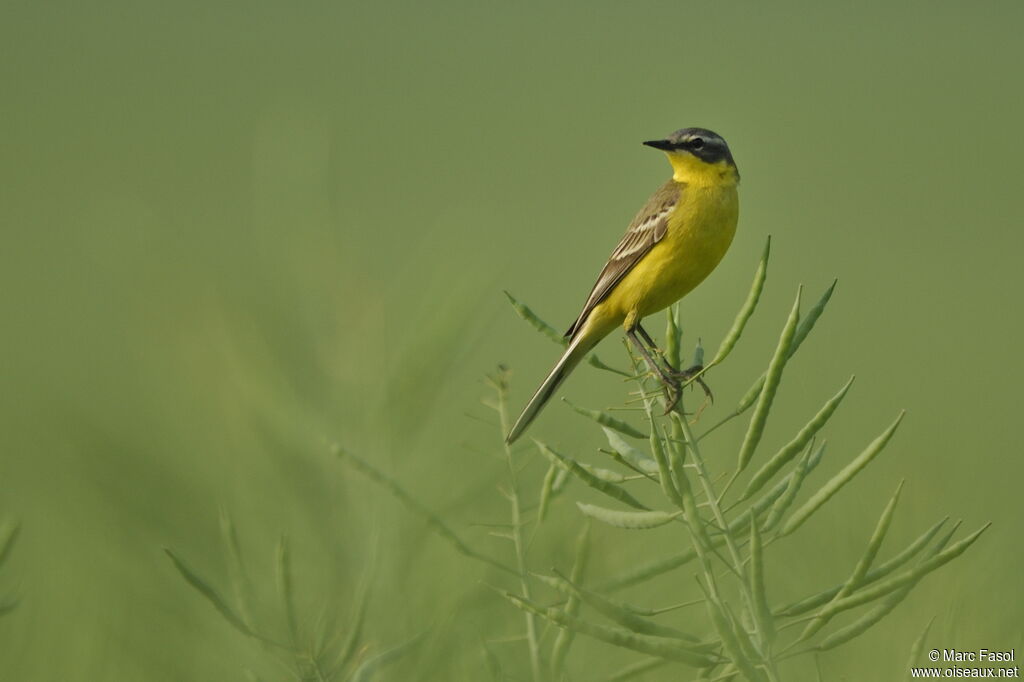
x=728, y=530
x=9, y=532
x=728, y=541
x=318, y=653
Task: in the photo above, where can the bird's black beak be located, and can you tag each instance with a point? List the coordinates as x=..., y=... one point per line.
x=663, y=145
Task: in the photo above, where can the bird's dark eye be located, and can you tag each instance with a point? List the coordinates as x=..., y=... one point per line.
x=697, y=143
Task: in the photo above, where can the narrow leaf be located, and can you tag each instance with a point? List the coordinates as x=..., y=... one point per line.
x=285, y=588
x=632, y=520
x=880, y=610
x=653, y=646
x=637, y=459
x=561, y=478
x=535, y=321
x=653, y=569
x=607, y=421
x=730, y=642
x=875, y=543
x=861, y=569
x=354, y=635
x=862, y=624
x=673, y=337
x=839, y=480
x=547, y=330
x=240, y=584
x=762, y=613
x=807, y=323
x=369, y=668
x=807, y=604
x=781, y=495
x=610, y=489
x=790, y=449
x=811, y=317
x=413, y=505
x=692, y=514
x=8, y=536
x=620, y=613
x=560, y=649
x=213, y=596
x=595, y=361
x=795, y=482
x=883, y=588
x=729, y=342
x=546, y=489
x=668, y=484
x=698, y=354
x=755, y=429
x=918, y=647
x=604, y=474
x=744, y=639
x=492, y=662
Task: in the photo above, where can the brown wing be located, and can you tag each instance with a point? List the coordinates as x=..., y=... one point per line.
x=647, y=229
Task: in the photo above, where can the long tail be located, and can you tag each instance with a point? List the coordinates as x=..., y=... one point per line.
x=577, y=349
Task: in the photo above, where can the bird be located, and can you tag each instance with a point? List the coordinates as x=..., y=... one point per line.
x=674, y=242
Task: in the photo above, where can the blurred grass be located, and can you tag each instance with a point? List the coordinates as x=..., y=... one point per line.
x=232, y=237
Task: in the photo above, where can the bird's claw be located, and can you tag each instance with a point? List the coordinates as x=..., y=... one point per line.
x=675, y=381
x=673, y=393
x=694, y=374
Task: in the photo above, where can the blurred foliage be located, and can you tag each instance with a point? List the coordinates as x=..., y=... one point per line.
x=233, y=237
x=723, y=543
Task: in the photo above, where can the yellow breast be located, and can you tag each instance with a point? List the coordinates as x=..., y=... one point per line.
x=699, y=233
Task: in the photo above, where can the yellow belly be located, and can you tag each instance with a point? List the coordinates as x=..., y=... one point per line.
x=699, y=233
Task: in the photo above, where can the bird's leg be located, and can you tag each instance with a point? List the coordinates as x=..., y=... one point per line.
x=683, y=376
x=671, y=383
x=693, y=373
x=653, y=346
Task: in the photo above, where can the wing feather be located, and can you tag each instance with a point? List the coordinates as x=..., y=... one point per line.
x=647, y=229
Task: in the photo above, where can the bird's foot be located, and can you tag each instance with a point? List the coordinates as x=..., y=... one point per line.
x=690, y=374
x=673, y=392
x=674, y=382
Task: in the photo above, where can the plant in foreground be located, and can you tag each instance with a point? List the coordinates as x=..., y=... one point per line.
x=727, y=530
x=320, y=653
x=9, y=531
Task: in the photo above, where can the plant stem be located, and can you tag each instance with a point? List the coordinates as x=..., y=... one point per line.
x=517, y=534
x=694, y=520
x=716, y=510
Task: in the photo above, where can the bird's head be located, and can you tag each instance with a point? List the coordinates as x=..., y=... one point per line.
x=698, y=156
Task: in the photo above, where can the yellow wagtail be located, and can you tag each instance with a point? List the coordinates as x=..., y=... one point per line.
x=673, y=243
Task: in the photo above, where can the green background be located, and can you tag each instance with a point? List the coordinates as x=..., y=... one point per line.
x=234, y=234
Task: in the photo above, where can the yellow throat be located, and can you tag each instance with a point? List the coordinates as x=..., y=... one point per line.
x=688, y=169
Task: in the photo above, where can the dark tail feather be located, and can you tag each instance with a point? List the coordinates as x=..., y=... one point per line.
x=575, y=352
